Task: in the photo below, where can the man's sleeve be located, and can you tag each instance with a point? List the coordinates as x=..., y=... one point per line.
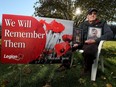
x=107, y=33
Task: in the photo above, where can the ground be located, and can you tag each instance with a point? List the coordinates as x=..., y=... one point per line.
x=42, y=75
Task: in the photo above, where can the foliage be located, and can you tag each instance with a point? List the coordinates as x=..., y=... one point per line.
x=109, y=49
x=65, y=9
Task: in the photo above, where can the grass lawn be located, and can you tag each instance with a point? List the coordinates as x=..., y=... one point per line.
x=36, y=75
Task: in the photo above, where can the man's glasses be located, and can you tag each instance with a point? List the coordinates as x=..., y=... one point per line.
x=94, y=13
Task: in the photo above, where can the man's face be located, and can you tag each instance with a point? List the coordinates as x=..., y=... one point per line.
x=94, y=32
x=92, y=16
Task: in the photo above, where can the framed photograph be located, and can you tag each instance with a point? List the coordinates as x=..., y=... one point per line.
x=94, y=33
x=77, y=35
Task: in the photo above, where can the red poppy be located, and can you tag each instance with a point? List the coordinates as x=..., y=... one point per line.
x=62, y=48
x=67, y=37
x=57, y=27
x=42, y=21
x=48, y=26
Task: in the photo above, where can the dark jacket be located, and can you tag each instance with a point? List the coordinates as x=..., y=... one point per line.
x=107, y=33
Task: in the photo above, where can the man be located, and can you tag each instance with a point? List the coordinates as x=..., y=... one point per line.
x=90, y=45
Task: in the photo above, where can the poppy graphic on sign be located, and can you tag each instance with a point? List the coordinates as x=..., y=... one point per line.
x=62, y=48
x=57, y=27
x=26, y=39
x=42, y=22
x=67, y=37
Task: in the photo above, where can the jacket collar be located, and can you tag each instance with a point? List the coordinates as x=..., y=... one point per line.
x=94, y=22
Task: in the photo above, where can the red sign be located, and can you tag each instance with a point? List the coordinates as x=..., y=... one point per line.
x=23, y=39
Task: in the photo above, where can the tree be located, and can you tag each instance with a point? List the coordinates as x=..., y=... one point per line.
x=106, y=8
x=65, y=9
x=54, y=8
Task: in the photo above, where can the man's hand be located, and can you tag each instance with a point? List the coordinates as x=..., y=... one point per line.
x=75, y=45
x=90, y=41
x=74, y=48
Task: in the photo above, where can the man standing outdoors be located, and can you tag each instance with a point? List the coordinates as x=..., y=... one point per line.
x=90, y=45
